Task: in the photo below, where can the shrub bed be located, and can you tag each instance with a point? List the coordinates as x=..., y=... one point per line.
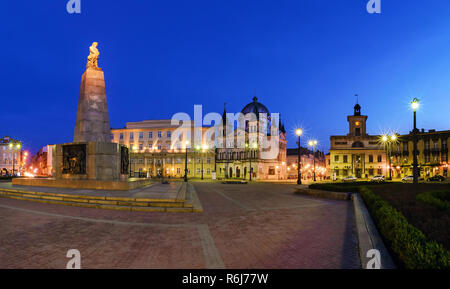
x=438, y=199
x=410, y=246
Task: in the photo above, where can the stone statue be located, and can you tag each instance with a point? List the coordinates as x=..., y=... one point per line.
x=93, y=57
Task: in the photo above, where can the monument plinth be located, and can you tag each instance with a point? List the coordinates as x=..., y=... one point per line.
x=91, y=160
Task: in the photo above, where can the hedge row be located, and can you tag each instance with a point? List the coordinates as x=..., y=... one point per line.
x=437, y=199
x=344, y=187
x=410, y=245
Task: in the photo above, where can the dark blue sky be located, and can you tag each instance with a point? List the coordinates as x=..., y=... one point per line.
x=306, y=58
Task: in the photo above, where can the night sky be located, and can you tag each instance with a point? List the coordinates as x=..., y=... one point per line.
x=306, y=59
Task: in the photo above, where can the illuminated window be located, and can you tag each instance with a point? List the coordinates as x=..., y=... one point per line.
x=150, y=134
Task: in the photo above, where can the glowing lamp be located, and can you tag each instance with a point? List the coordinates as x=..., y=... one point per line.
x=299, y=132
x=415, y=104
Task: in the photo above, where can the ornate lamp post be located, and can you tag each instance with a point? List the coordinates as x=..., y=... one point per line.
x=299, y=132
x=185, y=161
x=387, y=143
x=313, y=143
x=11, y=147
x=415, y=106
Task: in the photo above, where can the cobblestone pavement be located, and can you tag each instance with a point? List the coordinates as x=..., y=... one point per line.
x=243, y=226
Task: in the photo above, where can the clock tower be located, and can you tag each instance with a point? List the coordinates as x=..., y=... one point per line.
x=357, y=122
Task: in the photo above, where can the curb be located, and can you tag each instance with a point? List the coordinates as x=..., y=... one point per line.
x=368, y=236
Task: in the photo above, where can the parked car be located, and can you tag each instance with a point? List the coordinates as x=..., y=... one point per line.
x=378, y=179
x=436, y=178
x=408, y=179
x=349, y=179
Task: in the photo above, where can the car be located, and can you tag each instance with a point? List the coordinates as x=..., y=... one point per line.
x=378, y=179
x=436, y=178
x=349, y=179
x=408, y=179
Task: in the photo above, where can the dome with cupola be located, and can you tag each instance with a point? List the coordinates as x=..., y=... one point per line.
x=256, y=108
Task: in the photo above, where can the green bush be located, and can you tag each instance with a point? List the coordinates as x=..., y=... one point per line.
x=410, y=245
x=438, y=199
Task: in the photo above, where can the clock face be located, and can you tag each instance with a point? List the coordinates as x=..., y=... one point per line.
x=357, y=123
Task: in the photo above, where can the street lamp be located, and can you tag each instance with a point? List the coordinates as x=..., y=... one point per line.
x=387, y=142
x=299, y=132
x=313, y=143
x=11, y=147
x=185, y=161
x=415, y=105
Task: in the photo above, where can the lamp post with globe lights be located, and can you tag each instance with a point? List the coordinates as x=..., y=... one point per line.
x=415, y=105
x=313, y=143
x=299, y=133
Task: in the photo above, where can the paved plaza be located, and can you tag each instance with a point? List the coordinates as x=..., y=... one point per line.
x=242, y=226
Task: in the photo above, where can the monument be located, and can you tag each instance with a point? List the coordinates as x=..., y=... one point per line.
x=91, y=161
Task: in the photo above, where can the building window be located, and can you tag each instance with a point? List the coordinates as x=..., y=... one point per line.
x=140, y=161
x=345, y=173
x=370, y=172
x=357, y=131
x=427, y=158
x=111, y=136
x=150, y=134
x=140, y=146
x=178, y=170
x=379, y=158
x=345, y=159
x=121, y=136
x=379, y=171
x=208, y=171
x=198, y=171
x=271, y=171
x=168, y=134
x=159, y=146
x=208, y=160
x=141, y=135
x=131, y=135
x=371, y=160
x=159, y=134
x=336, y=158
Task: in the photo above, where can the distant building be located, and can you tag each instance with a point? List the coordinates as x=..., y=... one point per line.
x=357, y=153
x=307, y=164
x=432, y=157
x=154, y=151
x=363, y=156
x=10, y=156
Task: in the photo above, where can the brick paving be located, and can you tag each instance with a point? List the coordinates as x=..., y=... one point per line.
x=242, y=226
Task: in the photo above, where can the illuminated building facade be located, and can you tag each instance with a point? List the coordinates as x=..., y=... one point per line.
x=11, y=158
x=357, y=153
x=155, y=152
x=432, y=154
x=307, y=164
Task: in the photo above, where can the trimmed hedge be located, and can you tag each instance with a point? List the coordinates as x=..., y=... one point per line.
x=344, y=187
x=438, y=199
x=410, y=245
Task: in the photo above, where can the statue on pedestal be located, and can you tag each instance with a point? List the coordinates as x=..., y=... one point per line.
x=93, y=57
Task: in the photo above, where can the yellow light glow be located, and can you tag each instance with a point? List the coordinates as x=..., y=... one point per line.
x=255, y=145
x=299, y=132
x=394, y=137
x=384, y=138
x=415, y=104
x=357, y=123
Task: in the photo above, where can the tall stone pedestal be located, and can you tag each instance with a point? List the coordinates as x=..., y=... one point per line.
x=92, y=122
